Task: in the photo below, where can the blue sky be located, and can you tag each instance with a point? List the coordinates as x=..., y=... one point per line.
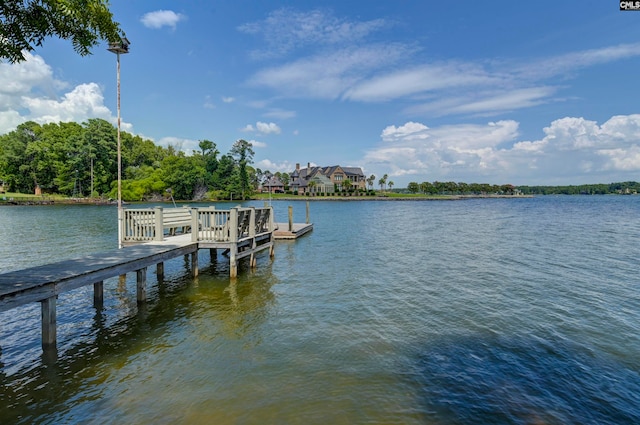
x=497, y=92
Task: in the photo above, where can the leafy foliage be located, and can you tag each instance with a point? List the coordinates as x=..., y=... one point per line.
x=81, y=160
x=26, y=24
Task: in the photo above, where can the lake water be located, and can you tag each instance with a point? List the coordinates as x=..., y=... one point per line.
x=446, y=312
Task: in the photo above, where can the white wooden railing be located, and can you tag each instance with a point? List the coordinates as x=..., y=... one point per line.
x=213, y=225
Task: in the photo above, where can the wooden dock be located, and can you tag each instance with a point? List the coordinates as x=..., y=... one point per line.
x=240, y=232
x=150, y=236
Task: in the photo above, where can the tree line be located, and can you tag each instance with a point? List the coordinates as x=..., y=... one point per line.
x=585, y=189
x=453, y=188
x=461, y=188
x=81, y=160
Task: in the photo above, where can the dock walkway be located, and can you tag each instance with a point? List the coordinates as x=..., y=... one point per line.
x=240, y=232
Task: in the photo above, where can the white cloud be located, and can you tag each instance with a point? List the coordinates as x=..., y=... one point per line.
x=268, y=128
x=257, y=144
x=162, y=18
x=569, y=62
x=228, y=99
x=208, y=104
x=85, y=100
x=328, y=75
x=263, y=128
x=280, y=114
x=268, y=165
x=485, y=102
x=363, y=71
x=181, y=144
x=285, y=30
x=29, y=91
x=408, y=131
x=572, y=149
x=424, y=78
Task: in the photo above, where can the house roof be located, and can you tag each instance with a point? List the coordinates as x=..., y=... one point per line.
x=272, y=182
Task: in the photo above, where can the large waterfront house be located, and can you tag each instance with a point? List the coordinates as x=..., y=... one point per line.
x=314, y=180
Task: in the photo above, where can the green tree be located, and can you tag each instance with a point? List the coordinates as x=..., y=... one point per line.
x=413, y=187
x=382, y=182
x=391, y=183
x=14, y=147
x=346, y=185
x=242, y=152
x=311, y=185
x=371, y=180
x=184, y=175
x=100, y=139
x=26, y=24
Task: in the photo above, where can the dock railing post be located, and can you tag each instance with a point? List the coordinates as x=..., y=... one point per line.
x=195, y=224
x=159, y=230
x=233, y=238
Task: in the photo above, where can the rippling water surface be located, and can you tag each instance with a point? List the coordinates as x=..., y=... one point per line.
x=478, y=311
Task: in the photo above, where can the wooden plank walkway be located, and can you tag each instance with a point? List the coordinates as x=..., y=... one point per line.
x=49, y=280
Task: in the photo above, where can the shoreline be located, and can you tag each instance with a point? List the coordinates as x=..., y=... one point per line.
x=42, y=202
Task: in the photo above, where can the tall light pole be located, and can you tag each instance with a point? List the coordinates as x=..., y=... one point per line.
x=119, y=47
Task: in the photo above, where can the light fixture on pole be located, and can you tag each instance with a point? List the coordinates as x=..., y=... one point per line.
x=119, y=47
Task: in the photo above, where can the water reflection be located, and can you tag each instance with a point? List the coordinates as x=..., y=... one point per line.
x=175, y=311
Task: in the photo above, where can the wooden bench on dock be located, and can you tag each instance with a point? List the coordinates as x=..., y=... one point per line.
x=150, y=224
x=176, y=218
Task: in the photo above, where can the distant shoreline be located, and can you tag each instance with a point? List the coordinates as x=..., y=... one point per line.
x=38, y=202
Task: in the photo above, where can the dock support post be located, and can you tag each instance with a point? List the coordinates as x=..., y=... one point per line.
x=160, y=270
x=48, y=309
x=142, y=285
x=233, y=237
x=252, y=234
x=194, y=263
x=233, y=262
x=272, y=227
x=98, y=295
x=307, y=212
x=290, y=218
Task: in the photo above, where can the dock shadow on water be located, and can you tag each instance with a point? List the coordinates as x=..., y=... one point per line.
x=522, y=380
x=57, y=386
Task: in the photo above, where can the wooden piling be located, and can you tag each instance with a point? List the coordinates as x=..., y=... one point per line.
x=48, y=310
x=141, y=285
x=98, y=294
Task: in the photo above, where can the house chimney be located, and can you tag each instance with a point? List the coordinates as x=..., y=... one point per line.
x=298, y=167
x=308, y=167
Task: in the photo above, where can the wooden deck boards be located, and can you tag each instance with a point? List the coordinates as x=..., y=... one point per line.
x=41, y=282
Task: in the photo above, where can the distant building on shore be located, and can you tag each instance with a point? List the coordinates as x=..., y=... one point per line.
x=314, y=180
